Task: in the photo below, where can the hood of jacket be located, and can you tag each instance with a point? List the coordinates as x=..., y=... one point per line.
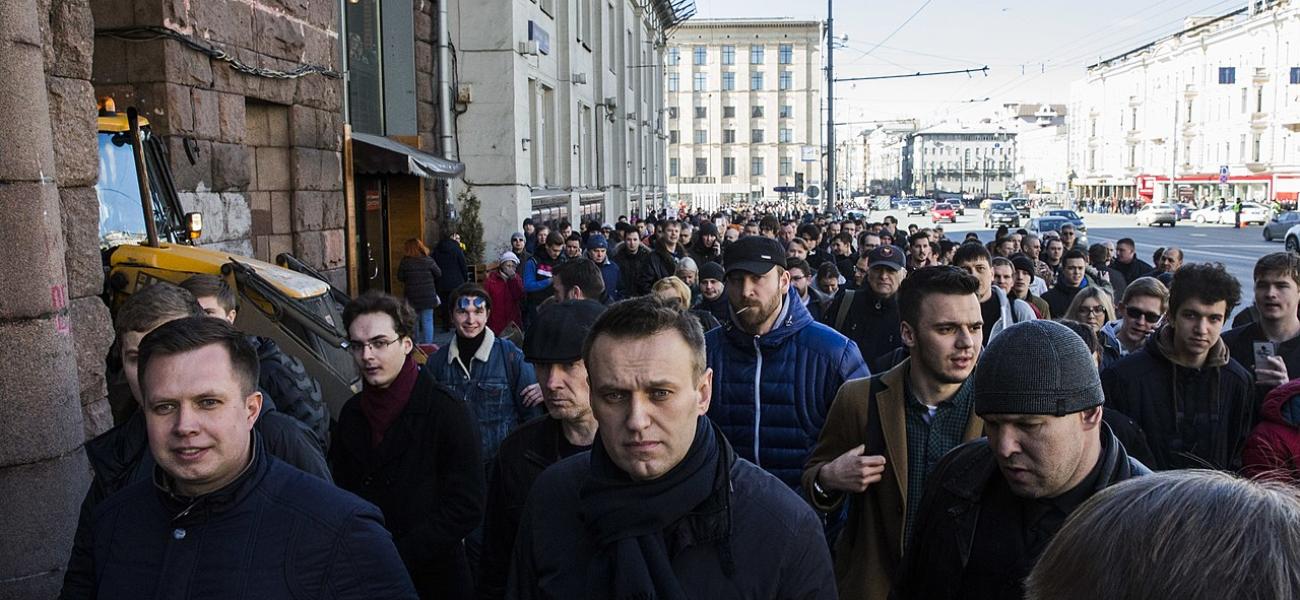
x=793, y=317
x=1282, y=405
x=1162, y=344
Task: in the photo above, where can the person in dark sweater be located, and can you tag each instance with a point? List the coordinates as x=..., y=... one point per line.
x=1071, y=279
x=1127, y=262
x=1269, y=348
x=408, y=445
x=872, y=317
x=419, y=273
x=713, y=287
x=455, y=268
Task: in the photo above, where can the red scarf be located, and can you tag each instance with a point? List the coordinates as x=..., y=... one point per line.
x=382, y=406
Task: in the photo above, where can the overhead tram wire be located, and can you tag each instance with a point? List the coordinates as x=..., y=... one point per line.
x=900, y=27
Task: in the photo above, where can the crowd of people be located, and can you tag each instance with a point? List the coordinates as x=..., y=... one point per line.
x=757, y=403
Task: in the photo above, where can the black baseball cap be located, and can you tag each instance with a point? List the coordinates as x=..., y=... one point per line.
x=886, y=255
x=754, y=254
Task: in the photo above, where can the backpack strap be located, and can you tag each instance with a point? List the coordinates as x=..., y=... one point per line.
x=845, y=302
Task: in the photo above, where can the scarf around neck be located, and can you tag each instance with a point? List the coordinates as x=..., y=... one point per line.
x=628, y=518
x=381, y=406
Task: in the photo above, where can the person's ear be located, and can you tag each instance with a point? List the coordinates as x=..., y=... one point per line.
x=253, y=404
x=705, y=388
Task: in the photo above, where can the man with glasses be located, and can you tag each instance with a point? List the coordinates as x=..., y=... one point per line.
x=1139, y=313
x=410, y=447
x=1070, y=240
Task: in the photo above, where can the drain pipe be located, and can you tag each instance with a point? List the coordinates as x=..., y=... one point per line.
x=448, y=146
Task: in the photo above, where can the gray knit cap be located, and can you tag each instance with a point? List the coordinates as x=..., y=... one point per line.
x=1036, y=368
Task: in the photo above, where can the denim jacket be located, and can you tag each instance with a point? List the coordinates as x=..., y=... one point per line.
x=496, y=376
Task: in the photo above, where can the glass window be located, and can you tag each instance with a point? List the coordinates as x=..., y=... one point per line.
x=699, y=81
x=700, y=55
x=701, y=167
x=786, y=53
x=728, y=136
x=756, y=112
x=728, y=81
x=1227, y=74
x=755, y=55
x=786, y=80
x=728, y=112
x=728, y=55
x=1295, y=75
x=674, y=167
x=786, y=111
x=786, y=166
x=674, y=56
x=672, y=112
x=673, y=136
x=728, y=166
x=672, y=82
x=701, y=136
x=756, y=80
x=701, y=112
x=785, y=135
x=755, y=136
x=756, y=166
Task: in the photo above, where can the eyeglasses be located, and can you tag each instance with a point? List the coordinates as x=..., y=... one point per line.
x=465, y=302
x=1134, y=312
x=378, y=345
x=1092, y=310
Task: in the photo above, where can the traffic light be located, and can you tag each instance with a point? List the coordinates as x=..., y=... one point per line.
x=798, y=180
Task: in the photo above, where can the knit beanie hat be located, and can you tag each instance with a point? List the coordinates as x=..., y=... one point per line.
x=1036, y=368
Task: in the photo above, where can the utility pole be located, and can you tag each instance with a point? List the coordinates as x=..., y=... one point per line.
x=829, y=184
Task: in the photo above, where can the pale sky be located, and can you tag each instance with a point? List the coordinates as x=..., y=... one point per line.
x=1033, y=49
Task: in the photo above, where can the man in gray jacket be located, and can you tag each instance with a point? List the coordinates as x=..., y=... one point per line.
x=998, y=310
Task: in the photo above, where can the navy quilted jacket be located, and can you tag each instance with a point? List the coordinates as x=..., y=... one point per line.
x=771, y=392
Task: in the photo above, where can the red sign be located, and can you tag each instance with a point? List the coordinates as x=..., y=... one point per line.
x=1146, y=185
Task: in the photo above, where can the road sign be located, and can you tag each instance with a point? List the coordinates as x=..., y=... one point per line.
x=1223, y=174
x=785, y=189
x=809, y=153
x=813, y=191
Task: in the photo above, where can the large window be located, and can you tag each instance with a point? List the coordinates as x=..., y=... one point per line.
x=756, y=55
x=699, y=55
x=674, y=167
x=728, y=166
x=701, y=167
x=1227, y=75
x=786, y=111
x=755, y=136
x=672, y=112
x=674, y=56
x=673, y=82
x=728, y=112
x=728, y=136
x=701, y=112
x=785, y=54
x=728, y=81
x=785, y=135
x=700, y=82
x=756, y=111
x=756, y=166
x=786, y=166
x=786, y=81
x=728, y=55
x=673, y=136
x=756, y=81
x=701, y=136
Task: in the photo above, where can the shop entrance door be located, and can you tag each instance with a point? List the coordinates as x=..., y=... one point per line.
x=372, y=204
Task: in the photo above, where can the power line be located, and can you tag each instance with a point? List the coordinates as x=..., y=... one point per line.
x=984, y=70
x=899, y=28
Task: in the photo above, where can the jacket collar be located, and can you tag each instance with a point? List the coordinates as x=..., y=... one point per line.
x=484, y=350
x=186, y=509
x=1162, y=344
x=794, y=316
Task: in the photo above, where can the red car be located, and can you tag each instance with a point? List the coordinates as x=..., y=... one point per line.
x=943, y=211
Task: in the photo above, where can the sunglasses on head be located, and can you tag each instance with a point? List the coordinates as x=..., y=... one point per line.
x=465, y=302
x=1134, y=312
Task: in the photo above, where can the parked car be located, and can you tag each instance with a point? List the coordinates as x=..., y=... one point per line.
x=1022, y=204
x=1157, y=214
x=1072, y=216
x=1292, y=239
x=943, y=211
x=916, y=207
x=1250, y=213
x=1183, y=210
x=1277, y=227
x=1041, y=225
x=1001, y=212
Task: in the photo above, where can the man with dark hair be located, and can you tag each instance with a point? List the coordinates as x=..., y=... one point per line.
x=283, y=379
x=812, y=234
x=1099, y=268
x=1004, y=246
x=406, y=444
x=662, y=261
x=1171, y=259
x=713, y=297
x=1192, y=401
x=1270, y=347
x=579, y=279
x=218, y=502
x=884, y=434
x=801, y=279
x=573, y=247
x=1145, y=301
x=554, y=347
x=631, y=256
x=768, y=226
x=1023, y=272
x=1053, y=251
x=662, y=507
x=1127, y=261
x=775, y=370
x=842, y=253
x=997, y=310
x=919, y=251
x=992, y=505
x=868, y=315
x=539, y=272
x=1074, y=267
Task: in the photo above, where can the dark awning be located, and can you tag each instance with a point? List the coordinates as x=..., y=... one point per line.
x=376, y=155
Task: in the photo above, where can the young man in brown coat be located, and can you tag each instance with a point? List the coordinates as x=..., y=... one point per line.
x=884, y=434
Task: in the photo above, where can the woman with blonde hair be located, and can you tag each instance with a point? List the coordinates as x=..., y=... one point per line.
x=420, y=273
x=1093, y=307
x=676, y=292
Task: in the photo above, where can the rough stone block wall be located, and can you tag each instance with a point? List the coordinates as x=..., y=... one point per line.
x=426, y=107
x=247, y=190
x=55, y=328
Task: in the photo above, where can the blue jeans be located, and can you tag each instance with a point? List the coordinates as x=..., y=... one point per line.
x=424, y=327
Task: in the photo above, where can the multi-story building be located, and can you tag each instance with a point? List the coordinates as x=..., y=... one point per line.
x=1217, y=100
x=973, y=160
x=888, y=162
x=560, y=108
x=1042, y=166
x=743, y=110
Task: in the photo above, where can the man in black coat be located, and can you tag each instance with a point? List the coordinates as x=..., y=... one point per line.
x=1127, y=262
x=1191, y=400
x=554, y=347
x=221, y=517
x=1074, y=265
x=631, y=256
x=661, y=507
x=872, y=318
x=408, y=445
x=992, y=505
x=662, y=262
x=713, y=288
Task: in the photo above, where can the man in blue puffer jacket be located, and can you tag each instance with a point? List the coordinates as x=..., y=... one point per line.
x=775, y=370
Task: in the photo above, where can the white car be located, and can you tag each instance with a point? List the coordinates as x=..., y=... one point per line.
x=1157, y=214
x=1250, y=213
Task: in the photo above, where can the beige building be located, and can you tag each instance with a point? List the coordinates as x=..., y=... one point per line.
x=744, y=109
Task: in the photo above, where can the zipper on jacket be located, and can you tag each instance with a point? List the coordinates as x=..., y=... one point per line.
x=758, y=404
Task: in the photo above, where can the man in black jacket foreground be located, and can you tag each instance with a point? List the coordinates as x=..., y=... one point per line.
x=221, y=517
x=992, y=505
x=661, y=507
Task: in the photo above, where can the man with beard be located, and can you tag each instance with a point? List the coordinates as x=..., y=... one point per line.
x=1074, y=265
x=884, y=434
x=869, y=315
x=713, y=300
x=554, y=347
x=992, y=505
x=775, y=370
x=1127, y=261
x=919, y=251
x=1193, y=402
x=1143, y=304
x=631, y=257
x=662, y=507
x=1270, y=347
x=662, y=262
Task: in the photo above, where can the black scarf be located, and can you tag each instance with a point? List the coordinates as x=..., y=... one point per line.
x=628, y=517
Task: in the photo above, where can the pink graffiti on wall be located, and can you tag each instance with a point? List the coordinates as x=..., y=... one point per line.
x=59, y=298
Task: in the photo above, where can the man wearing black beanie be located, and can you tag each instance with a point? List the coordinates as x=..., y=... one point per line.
x=992, y=505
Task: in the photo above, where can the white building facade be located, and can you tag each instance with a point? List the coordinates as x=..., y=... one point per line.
x=887, y=149
x=976, y=161
x=560, y=107
x=1218, y=100
x=1042, y=149
x=743, y=110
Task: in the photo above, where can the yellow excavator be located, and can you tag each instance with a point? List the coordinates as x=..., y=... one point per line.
x=145, y=238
